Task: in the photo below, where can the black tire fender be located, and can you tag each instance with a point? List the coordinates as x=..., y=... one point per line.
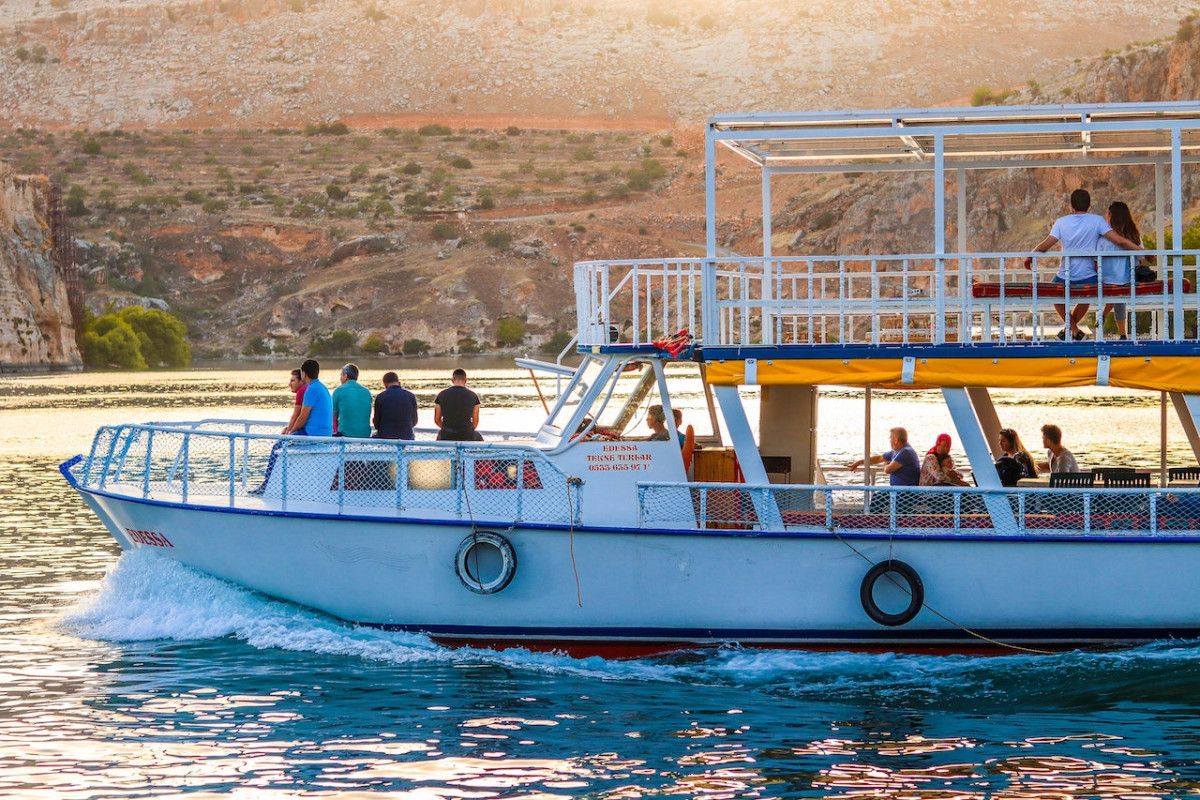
x=485, y=562
x=915, y=590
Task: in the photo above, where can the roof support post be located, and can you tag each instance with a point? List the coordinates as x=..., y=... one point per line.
x=768, y=277
x=960, y=181
x=939, y=234
x=708, y=287
x=1177, y=238
x=969, y=433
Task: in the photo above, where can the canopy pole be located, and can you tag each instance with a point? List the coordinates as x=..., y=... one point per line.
x=868, y=477
x=939, y=244
x=1177, y=227
x=1162, y=439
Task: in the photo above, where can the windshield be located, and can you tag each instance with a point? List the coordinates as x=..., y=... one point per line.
x=587, y=374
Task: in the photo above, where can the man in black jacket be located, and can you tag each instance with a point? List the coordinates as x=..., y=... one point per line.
x=395, y=410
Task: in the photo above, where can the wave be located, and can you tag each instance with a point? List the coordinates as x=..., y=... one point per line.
x=147, y=597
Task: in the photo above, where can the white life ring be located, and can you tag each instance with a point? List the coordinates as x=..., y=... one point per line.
x=485, y=562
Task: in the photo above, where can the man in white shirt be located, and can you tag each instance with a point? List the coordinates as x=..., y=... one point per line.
x=1058, y=458
x=1078, y=231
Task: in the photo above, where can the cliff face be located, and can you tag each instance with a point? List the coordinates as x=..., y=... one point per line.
x=35, y=317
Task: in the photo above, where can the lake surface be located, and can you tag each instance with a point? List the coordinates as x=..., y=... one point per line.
x=129, y=676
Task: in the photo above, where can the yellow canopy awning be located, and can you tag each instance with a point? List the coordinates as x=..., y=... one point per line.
x=1162, y=373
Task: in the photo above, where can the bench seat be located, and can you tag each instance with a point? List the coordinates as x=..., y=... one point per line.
x=1048, y=289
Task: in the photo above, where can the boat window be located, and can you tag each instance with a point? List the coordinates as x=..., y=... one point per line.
x=431, y=474
x=589, y=372
x=636, y=390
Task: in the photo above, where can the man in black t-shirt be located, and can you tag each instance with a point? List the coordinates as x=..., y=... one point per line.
x=456, y=411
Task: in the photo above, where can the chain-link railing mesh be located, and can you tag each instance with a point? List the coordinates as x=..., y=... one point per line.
x=203, y=464
x=970, y=511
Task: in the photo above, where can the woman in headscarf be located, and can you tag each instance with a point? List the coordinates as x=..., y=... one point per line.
x=938, y=467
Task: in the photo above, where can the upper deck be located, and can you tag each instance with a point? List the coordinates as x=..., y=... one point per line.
x=948, y=303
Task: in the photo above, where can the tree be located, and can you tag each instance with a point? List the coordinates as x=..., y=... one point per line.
x=556, y=343
x=375, y=345
x=162, y=337
x=415, y=347
x=510, y=331
x=109, y=341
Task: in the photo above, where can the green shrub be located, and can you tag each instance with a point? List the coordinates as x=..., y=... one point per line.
x=358, y=172
x=75, y=202
x=434, y=130
x=468, y=346
x=444, y=230
x=411, y=168
x=497, y=239
x=91, y=147
x=461, y=162
x=375, y=345
x=416, y=202
x=338, y=342
x=194, y=196
x=512, y=130
x=335, y=192
x=214, y=207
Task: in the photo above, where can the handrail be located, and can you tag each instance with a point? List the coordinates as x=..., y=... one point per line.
x=197, y=463
x=867, y=299
x=922, y=510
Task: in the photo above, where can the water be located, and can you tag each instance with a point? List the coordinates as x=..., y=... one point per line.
x=131, y=676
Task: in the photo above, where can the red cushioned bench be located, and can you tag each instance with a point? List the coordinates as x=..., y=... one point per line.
x=1048, y=289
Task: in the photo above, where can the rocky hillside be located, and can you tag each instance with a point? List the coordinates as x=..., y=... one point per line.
x=280, y=172
x=36, y=328
x=101, y=64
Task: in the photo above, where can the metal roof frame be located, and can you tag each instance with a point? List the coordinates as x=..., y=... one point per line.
x=986, y=136
x=936, y=140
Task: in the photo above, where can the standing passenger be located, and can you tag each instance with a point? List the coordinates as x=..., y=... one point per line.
x=456, y=411
x=351, y=405
x=395, y=410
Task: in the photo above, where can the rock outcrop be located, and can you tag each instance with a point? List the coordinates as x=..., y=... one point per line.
x=36, y=330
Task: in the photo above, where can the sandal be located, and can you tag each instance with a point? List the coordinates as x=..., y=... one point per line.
x=1062, y=335
x=1078, y=335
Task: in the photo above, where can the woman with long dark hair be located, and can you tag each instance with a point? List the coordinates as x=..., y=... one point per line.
x=1118, y=269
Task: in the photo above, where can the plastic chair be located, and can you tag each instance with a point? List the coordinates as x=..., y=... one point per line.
x=689, y=447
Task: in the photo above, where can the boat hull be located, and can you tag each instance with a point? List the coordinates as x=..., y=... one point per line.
x=628, y=592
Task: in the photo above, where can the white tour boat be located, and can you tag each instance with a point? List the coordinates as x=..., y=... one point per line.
x=585, y=537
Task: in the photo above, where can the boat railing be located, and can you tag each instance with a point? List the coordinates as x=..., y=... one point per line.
x=875, y=300
x=238, y=464
x=920, y=510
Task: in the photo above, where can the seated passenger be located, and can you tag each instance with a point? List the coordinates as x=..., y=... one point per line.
x=938, y=467
x=656, y=421
x=1015, y=462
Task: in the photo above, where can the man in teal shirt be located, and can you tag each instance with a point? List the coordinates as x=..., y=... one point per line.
x=351, y=406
